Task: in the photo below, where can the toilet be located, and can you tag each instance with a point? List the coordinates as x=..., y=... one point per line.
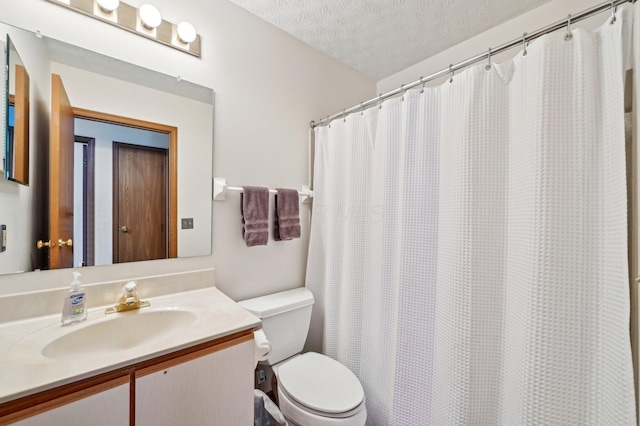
x=313, y=389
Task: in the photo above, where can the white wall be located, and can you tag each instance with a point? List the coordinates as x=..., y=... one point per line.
x=268, y=86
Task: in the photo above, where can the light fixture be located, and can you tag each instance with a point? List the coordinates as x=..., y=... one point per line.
x=108, y=6
x=150, y=16
x=186, y=32
x=144, y=21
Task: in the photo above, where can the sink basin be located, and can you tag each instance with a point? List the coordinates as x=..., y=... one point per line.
x=118, y=332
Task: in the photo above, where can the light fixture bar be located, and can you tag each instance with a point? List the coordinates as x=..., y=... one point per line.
x=127, y=17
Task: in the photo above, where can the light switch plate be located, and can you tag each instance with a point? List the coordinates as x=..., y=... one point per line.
x=187, y=223
x=3, y=229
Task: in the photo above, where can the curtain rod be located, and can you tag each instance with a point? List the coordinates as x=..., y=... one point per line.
x=526, y=38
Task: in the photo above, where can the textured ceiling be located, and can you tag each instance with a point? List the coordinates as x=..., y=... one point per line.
x=381, y=37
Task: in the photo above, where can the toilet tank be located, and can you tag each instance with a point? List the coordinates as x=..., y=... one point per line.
x=285, y=320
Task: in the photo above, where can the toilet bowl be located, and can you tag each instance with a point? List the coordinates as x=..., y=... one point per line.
x=313, y=389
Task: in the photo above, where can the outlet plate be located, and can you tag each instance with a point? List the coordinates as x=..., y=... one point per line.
x=3, y=238
x=187, y=223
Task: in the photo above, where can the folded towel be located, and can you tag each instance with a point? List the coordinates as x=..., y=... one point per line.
x=287, y=216
x=254, y=208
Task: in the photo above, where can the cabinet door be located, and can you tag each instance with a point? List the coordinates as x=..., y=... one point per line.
x=92, y=406
x=198, y=389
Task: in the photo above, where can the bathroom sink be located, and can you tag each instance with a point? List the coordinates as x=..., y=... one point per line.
x=118, y=332
x=40, y=353
x=106, y=335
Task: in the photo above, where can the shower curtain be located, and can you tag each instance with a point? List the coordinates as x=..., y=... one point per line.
x=468, y=248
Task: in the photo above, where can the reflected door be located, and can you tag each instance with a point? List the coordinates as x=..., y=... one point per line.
x=139, y=203
x=61, y=140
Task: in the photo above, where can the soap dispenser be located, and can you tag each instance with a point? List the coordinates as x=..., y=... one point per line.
x=75, y=302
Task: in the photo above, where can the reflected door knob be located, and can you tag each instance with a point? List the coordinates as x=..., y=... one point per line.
x=63, y=243
x=41, y=244
x=124, y=229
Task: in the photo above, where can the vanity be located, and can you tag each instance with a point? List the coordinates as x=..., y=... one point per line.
x=188, y=358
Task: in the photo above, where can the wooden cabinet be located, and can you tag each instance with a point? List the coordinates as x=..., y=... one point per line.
x=215, y=388
x=207, y=384
x=101, y=405
x=100, y=400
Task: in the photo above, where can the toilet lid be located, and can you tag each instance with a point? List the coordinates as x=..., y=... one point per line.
x=320, y=383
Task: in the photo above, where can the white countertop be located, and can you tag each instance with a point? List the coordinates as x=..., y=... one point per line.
x=24, y=370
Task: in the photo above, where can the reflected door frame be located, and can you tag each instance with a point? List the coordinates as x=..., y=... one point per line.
x=88, y=199
x=172, y=202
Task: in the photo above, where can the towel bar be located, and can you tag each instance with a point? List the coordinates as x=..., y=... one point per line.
x=220, y=189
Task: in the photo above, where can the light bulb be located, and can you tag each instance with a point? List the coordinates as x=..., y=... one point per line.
x=186, y=32
x=150, y=16
x=108, y=5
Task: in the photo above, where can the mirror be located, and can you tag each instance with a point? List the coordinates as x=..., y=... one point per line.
x=104, y=90
x=17, y=116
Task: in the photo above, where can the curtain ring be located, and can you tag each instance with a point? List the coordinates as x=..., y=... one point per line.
x=524, y=44
x=488, y=67
x=451, y=71
x=380, y=101
x=361, y=109
x=568, y=36
x=403, y=92
x=423, y=83
x=344, y=116
x=613, y=13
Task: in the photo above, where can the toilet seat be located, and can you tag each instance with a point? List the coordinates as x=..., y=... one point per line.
x=300, y=416
x=284, y=396
x=320, y=385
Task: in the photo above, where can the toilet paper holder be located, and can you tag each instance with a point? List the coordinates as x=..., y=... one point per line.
x=262, y=346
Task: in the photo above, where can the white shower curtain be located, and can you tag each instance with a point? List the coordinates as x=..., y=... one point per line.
x=468, y=247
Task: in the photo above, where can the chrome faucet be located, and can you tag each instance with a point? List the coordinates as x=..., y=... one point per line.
x=128, y=299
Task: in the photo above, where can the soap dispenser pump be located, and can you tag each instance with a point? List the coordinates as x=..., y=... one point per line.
x=75, y=302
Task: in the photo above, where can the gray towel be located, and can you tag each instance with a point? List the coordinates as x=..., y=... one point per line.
x=287, y=216
x=254, y=208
